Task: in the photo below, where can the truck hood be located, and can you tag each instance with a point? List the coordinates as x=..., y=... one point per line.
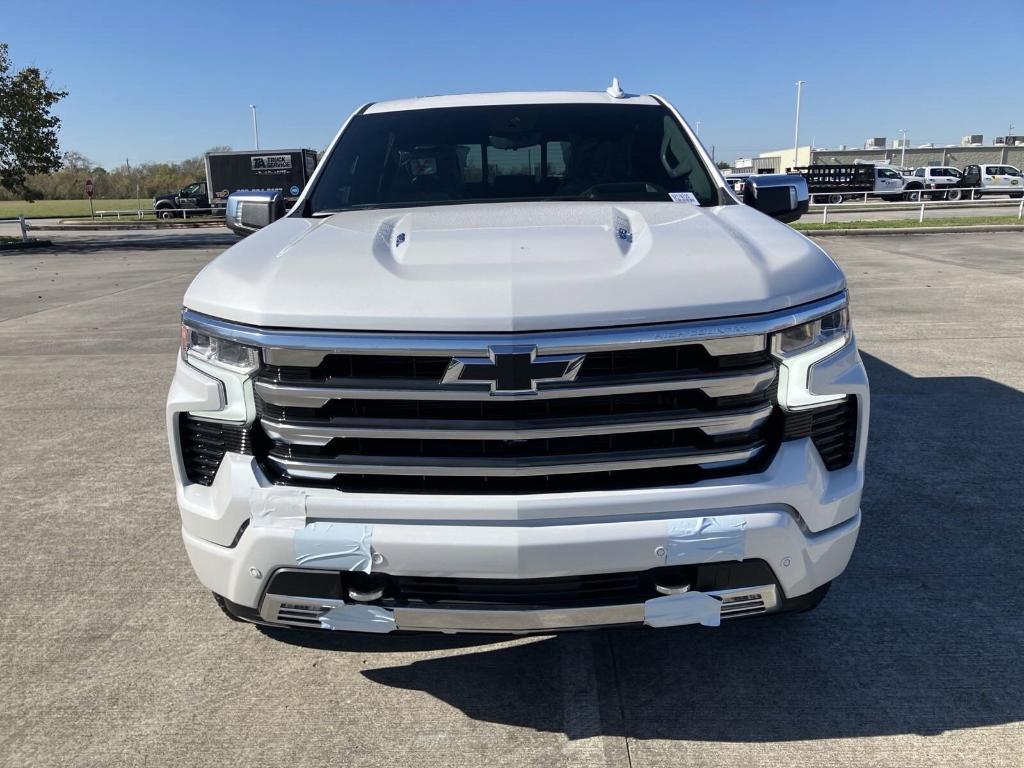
x=514, y=267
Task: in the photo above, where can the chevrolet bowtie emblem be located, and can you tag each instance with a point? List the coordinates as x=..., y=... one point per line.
x=513, y=370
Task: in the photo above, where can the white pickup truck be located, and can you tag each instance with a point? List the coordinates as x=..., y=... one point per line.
x=518, y=362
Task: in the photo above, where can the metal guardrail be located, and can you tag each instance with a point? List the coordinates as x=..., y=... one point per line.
x=919, y=204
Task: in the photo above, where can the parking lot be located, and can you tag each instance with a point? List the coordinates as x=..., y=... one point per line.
x=112, y=653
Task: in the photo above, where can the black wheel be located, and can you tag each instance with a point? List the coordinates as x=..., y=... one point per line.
x=164, y=213
x=913, y=195
x=954, y=194
x=835, y=199
x=976, y=195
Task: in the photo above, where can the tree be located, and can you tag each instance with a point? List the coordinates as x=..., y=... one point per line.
x=723, y=165
x=28, y=131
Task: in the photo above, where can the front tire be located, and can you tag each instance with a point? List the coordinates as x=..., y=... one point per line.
x=164, y=213
x=954, y=194
x=835, y=199
x=913, y=195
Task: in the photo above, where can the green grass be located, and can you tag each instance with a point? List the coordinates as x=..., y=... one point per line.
x=947, y=221
x=58, y=208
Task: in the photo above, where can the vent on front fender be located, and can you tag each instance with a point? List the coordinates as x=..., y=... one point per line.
x=204, y=443
x=832, y=428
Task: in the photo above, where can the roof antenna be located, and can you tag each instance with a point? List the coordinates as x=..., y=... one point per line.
x=614, y=90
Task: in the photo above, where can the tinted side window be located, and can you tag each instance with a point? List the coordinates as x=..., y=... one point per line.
x=919, y=172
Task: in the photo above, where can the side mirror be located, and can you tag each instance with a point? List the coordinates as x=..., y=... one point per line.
x=780, y=195
x=248, y=211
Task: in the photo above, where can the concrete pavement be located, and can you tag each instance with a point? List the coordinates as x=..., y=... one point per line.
x=111, y=654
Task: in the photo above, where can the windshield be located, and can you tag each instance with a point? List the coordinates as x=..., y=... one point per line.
x=505, y=153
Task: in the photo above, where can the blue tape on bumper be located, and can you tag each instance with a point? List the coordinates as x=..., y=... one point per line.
x=341, y=546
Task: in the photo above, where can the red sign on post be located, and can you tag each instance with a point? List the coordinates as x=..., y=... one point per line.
x=88, y=187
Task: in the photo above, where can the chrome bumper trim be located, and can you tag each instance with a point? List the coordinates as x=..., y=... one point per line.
x=305, y=612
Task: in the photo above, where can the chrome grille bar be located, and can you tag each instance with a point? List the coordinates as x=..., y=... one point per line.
x=303, y=396
x=471, y=466
x=322, y=432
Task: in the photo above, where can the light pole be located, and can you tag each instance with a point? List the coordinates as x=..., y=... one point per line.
x=796, y=131
x=698, y=128
x=255, y=127
x=903, y=150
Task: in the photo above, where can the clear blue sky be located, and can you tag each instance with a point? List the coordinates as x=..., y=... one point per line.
x=166, y=84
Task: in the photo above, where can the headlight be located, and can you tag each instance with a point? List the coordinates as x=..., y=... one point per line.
x=200, y=346
x=800, y=347
x=802, y=338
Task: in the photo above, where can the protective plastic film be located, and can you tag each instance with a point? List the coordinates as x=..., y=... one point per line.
x=335, y=546
x=705, y=540
x=277, y=508
x=687, y=608
x=359, y=618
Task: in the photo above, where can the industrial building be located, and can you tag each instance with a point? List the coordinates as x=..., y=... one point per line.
x=1007, y=150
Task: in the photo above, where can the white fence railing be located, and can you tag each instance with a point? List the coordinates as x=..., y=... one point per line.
x=21, y=221
x=171, y=213
x=964, y=194
x=918, y=205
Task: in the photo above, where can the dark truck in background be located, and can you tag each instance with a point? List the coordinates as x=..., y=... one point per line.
x=833, y=184
x=277, y=170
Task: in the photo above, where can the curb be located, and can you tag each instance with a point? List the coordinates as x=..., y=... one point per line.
x=24, y=246
x=63, y=226
x=913, y=230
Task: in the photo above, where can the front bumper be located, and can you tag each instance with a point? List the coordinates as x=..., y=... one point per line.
x=796, y=516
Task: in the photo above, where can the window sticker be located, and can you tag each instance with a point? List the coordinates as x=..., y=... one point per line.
x=684, y=197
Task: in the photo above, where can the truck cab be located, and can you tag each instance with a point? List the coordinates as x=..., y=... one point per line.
x=992, y=178
x=518, y=362
x=889, y=183
x=935, y=182
x=194, y=195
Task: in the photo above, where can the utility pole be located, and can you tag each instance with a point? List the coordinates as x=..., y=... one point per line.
x=903, y=149
x=796, y=130
x=698, y=128
x=138, y=193
x=255, y=127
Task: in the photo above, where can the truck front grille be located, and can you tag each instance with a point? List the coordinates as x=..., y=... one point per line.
x=647, y=413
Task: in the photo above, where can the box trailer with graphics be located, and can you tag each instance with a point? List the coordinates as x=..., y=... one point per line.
x=278, y=170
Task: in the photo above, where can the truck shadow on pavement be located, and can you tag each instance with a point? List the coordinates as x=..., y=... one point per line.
x=920, y=635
